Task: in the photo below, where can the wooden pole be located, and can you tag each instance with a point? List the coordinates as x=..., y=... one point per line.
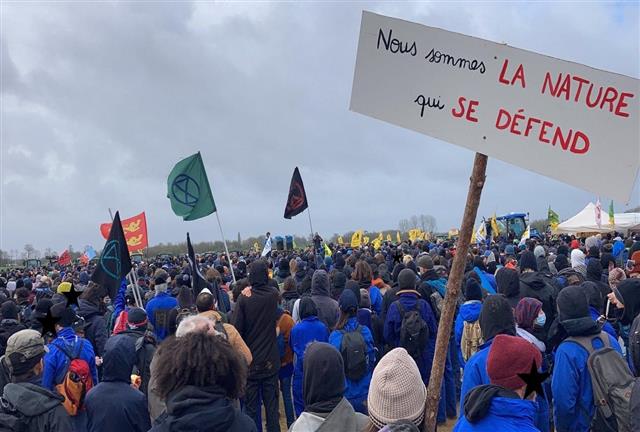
x=453, y=290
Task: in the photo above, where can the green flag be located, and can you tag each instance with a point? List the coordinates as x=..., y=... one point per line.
x=554, y=219
x=612, y=217
x=188, y=189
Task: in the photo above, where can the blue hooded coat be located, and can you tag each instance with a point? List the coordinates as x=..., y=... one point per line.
x=469, y=312
x=56, y=362
x=356, y=390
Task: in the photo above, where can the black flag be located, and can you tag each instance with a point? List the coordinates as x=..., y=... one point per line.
x=115, y=262
x=297, y=200
x=198, y=282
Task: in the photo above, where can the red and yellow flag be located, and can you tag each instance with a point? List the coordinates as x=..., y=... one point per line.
x=135, y=232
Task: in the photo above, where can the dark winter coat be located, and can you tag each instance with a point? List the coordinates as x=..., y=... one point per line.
x=535, y=285
x=113, y=405
x=328, y=310
x=7, y=328
x=256, y=318
x=95, y=329
x=145, y=349
x=202, y=409
x=42, y=409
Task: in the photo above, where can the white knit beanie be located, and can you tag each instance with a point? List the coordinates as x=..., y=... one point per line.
x=396, y=391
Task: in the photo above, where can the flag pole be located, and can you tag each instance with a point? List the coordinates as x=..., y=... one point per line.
x=233, y=275
x=310, y=224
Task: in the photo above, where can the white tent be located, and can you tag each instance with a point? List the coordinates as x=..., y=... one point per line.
x=585, y=222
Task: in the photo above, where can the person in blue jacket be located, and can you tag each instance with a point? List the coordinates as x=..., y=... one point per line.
x=159, y=306
x=596, y=301
x=410, y=299
x=571, y=383
x=356, y=392
x=496, y=317
x=469, y=312
x=364, y=276
x=503, y=405
x=309, y=329
x=487, y=280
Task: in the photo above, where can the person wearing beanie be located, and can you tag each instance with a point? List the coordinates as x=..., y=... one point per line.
x=536, y=285
x=328, y=310
x=430, y=282
x=309, y=329
x=326, y=407
x=496, y=317
x=501, y=405
x=159, y=307
x=114, y=405
x=255, y=317
x=468, y=314
x=571, y=382
x=9, y=323
x=138, y=330
x=397, y=391
x=24, y=400
x=360, y=340
x=409, y=300
x=508, y=282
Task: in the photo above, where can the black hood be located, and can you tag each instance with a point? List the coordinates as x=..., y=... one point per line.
x=307, y=308
x=323, y=382
x=593, y=293
x=258, y=274
x=496, y=317
x=87, y=309
x=119, y=358
x=193, y=409
x=594, y=270
x=31, y=399
x=534, y=280
x=508, y=282
x=478, y=401
x=629, y=289
x=320, y=284
x=573, y=312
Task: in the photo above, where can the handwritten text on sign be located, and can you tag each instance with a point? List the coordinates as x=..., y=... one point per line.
x=561, y=119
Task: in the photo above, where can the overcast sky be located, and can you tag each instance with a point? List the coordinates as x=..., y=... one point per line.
x=100, y=100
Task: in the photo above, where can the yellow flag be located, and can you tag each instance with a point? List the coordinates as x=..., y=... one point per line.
x=377, y=243
x=389, y=238
x=495, y=230
x=340, y=240
x=366, y=240
x=398, y=238
x=256, y=247
x=327, y=250
x=356, y=239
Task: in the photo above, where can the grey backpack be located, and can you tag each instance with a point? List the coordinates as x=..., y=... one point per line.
x=612, y=383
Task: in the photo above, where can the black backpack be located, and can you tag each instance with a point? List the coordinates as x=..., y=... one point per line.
x=414, y=332
x=354, y=354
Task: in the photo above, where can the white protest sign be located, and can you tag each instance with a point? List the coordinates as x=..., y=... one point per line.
x=568, y=121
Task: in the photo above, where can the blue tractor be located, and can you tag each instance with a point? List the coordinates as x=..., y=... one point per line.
x=512, y=226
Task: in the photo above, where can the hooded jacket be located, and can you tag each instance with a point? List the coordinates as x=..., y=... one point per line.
x=324, y=385
x=535, y=285
x=56, y=362
x=42, y=409
x=309, y=329
x=95, y=329
x=328, y=309
x=490, y=408
x=145, y=344
x=113, y=405
x=571, y=381
x=356, y=390
x=192, y=409
x=469, y=312
x=158, y=310
x=393, y=322
x=508, y=282
x=256, y=318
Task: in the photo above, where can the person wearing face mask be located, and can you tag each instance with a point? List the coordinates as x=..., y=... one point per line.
x=530, y=319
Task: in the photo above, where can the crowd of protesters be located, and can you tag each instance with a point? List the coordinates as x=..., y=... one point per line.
x=546, y=337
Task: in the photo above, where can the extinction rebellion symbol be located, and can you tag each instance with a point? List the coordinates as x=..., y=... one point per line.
x=185, y=190
x=110, y=259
